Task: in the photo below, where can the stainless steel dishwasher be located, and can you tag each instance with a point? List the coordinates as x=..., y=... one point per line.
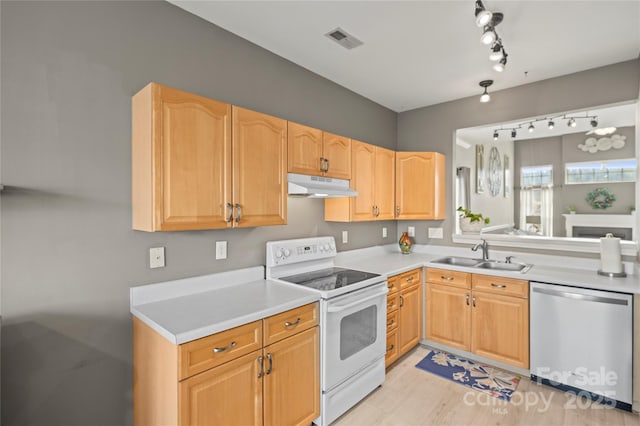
x=581, y=341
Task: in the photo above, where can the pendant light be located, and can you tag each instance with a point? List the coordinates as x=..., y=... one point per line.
x=485, y=95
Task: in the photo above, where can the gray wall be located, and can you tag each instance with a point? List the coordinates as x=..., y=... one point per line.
x=433, y=127
x=69, y=255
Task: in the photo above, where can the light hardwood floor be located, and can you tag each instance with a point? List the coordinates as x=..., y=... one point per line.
x=411, y=396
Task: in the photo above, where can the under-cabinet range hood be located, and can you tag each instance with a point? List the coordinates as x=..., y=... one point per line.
x=318, y=187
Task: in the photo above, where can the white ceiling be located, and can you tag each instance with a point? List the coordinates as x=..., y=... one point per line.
x=419, y=53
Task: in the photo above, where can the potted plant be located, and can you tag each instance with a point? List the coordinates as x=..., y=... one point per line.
x=471, y=222
x=571, y=209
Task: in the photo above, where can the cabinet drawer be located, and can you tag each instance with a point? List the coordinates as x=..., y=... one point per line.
x=393, y=301
x=392, y=321
x=501, y=285
x=393, y=284
x=410, y=278
x=202, y=354
x=392, y=348
x=452, y=278
x=280, y=326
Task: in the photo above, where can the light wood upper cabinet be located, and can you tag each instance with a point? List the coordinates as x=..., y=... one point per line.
x=318, y=153
x=337, y=152
x=259, y=169
x=181, y=158
x=372, y=176
x=420, y=185
x=202, y=164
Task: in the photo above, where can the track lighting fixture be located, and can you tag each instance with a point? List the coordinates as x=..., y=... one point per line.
x=571, y=122
x=485, y=96
x=483, y=16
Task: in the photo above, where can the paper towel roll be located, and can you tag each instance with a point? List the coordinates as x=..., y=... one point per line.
x=610, y=254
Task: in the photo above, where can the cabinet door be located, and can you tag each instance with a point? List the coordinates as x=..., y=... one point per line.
x=448, y=316
x=305, y=149
x=337, y=150
x=501, y=328
x=420, y=185
x=410, y=322
x=181, y=160
x=259, y=168
x=230, y=394
x=362, y=175
x=292, y=380
x=385, y=183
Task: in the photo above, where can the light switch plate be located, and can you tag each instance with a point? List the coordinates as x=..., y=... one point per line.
x=221, y=250
x=435, y=233
x=411, y=230
x=345, y=237
x=156, y=257
x=384, y=232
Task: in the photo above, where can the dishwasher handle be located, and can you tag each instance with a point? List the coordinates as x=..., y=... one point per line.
x=580, y=296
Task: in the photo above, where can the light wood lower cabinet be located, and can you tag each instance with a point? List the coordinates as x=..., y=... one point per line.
x=221, y=380
x=404, y=314
x=482, y=314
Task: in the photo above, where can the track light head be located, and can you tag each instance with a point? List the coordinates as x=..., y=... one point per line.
x=572, y=123
x=594, y=122
x=496, y=51
x=485, y=95
x=531, y=128
x=495, y=135
x=483, y=16
x=551, y=124
x=488, y=35
x=513, y=133
x=500, y=65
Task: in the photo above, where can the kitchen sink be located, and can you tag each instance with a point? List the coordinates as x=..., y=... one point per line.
x=482, y=264
x=503, y=266
x=457, y=261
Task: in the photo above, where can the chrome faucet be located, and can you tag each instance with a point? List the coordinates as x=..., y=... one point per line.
x=485, y=249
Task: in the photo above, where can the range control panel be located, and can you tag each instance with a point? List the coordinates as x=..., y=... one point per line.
x=300, y=250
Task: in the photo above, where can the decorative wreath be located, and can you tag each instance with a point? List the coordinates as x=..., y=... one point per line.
x=600, y=198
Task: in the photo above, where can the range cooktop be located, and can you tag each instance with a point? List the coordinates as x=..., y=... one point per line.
x=330, y=278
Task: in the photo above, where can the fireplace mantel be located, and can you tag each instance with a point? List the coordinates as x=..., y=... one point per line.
x=601, y=221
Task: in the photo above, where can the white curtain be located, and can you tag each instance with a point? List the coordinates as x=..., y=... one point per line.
x=546, y=211
x=536, y=210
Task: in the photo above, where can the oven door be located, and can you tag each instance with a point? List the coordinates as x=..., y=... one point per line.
x=355, y=333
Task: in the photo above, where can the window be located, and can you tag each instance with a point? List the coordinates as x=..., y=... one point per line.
x=536, y=200
x=600, y=171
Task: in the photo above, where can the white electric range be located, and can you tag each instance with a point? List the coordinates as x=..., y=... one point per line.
x=352, y=319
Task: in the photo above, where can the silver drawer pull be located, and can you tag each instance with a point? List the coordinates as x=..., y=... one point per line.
x=390, y=323
x=218, y=350
x=498, y=285
x=409, y=279
x=390, y=348
x=291, y=324
x=446, y=278
x=389, y=305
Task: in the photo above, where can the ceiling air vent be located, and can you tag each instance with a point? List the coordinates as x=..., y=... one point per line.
x=343, y=38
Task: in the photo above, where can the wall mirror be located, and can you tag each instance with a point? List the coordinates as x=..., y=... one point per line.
x=560, y=180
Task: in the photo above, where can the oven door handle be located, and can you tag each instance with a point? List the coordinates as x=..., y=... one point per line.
x=340, y=308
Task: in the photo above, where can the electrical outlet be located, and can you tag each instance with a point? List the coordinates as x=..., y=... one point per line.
x=156, y=257
x=435, y=233
x=345, y=237
x=221, y=250
x=411, y=230
x=384, y=232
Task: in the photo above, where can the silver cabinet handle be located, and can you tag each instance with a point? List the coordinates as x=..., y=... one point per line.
x=322, y=164
x=327, y=167
x=229, y=212
x=467, y=299
x=390, y=305
x=474, y=301
x=291, y=324
x=409, y=279
x=238, y=212
x=401, y=301
x=390, y=323
x=390, y=348
x=270, y=364
x=397, y=210
x=218, y=350
x=578, y=296
x=442, y=277
x=261, y=362
x=498, y=285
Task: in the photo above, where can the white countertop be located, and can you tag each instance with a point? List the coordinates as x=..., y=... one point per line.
x=181, y=314
x=580, y=273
